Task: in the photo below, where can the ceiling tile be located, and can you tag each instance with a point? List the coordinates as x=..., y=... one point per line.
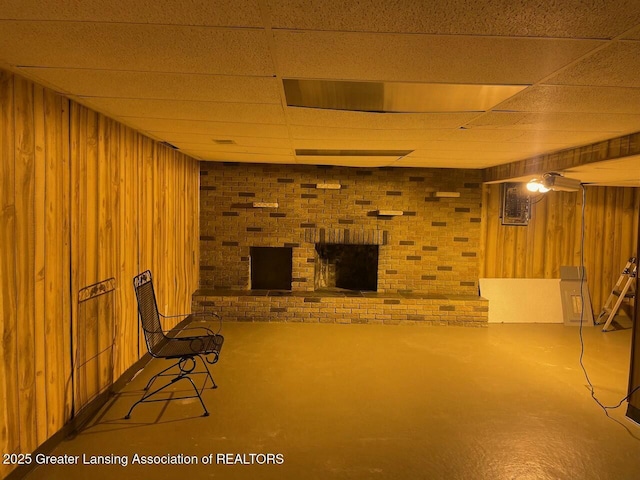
x=542, y=18
x=240, y=157
x=155, y=48
x=359, y=144
x=233, y=149
x=395, y=121
x=621, y=172
x=620, y=61
x=359, y=161
x=559, y=121
x=577, y=99
x=196, y=12
x=173, y=86
x=209, y=139
x=187, y=110
x=435, y=162
x=161, y=126
x=564, y=138
x=633, y=34
x=480, y=153
x=535, y=137
x=338, y=133
x=423, y=58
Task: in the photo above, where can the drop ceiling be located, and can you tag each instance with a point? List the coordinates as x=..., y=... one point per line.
x=208, y=76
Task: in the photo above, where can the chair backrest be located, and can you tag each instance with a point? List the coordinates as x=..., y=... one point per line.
x=148, y=311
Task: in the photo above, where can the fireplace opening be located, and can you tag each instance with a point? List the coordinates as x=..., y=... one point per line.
x=350, y=267
x=271, y=268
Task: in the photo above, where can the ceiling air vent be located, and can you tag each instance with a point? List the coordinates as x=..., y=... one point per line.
x=351, y=153
x=223, y=141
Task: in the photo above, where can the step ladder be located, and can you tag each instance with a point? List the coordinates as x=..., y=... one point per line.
x=623, y=288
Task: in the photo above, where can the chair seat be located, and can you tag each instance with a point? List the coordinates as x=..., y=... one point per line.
x=186, y=346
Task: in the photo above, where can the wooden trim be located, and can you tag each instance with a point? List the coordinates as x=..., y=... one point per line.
x=611, y=149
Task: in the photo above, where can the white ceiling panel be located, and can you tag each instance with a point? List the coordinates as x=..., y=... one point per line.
x=577, y=99
x=240, y=157
x=368, y=144
x=337, y=133
x=209, y=139
x=621, y=61
x=162, y=126
x=542, y=18
x=166, y=12
x=423, y=58
x=233, y=149
x=187, y=110
x=435, y=162
x=633, y=34
x=621, y=172
x=559, y=139
x=395, y=121
x=603, y=122
x=358, y=161
x=464, y=156
x=482, y=135
x=563, y=138
x=157, y=85
x=153, y=48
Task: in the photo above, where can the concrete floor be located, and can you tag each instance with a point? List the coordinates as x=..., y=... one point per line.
x=388, y=402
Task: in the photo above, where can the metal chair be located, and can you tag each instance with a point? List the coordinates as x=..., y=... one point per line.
x=185, y=350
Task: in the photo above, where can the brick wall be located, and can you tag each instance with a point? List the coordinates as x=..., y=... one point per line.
x=433, y=247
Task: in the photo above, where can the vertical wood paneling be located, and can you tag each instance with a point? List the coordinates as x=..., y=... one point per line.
x=57, y=315
x=39, y=264
x=9, y=420
x=83, y=198
x=633, y=409
x=553, y=237
x=25, y=260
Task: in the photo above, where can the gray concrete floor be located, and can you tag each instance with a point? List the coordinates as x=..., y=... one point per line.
x=388, y=402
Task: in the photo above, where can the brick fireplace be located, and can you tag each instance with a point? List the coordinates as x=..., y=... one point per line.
x=346, y=266
x=414, y=232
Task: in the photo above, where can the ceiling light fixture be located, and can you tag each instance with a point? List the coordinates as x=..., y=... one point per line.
x=553, y=181
x=536, y=186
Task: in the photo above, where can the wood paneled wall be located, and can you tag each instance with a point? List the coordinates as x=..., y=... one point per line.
x=82, y=199
x=553, y=237
x=633, y=409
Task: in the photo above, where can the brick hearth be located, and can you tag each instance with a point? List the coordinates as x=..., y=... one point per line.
x=352, y=307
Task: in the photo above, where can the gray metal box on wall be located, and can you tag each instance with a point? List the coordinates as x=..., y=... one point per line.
x=574, y=292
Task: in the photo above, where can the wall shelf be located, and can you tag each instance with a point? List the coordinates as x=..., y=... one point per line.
x=389, y=213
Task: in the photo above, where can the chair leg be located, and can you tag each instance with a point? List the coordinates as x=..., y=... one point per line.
x=208, y=372
x=146, y=396
x=204, y=407
x=160, y=374
x=184, y=374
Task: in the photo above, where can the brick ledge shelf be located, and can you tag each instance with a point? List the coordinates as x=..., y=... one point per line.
x=356, y=307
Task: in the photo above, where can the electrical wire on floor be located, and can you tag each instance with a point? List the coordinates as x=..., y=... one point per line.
x=605, y=408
